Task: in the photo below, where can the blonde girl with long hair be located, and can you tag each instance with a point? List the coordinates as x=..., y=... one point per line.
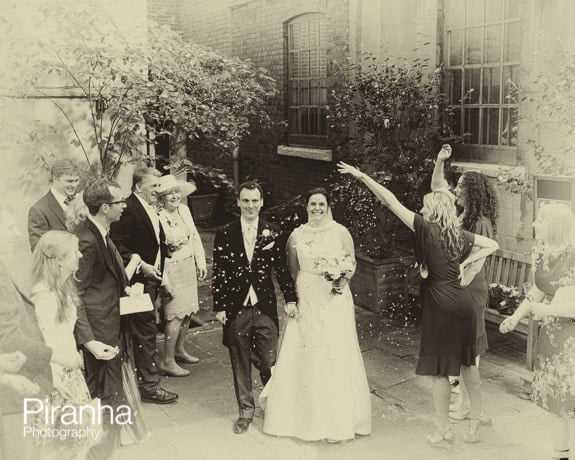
x=443, y=250
x=55, y=261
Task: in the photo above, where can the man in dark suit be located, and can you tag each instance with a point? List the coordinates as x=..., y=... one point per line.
x=246, y=252
x=139, y=232
x=20, y=335
x=49, y=212
x=101, y=282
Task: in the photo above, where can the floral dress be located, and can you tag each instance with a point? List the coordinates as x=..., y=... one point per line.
x=554, y=374
x=186, y=254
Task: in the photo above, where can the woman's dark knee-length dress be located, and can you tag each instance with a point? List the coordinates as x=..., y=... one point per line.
x=448, y=322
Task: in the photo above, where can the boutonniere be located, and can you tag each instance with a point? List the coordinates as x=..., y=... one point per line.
x=268, y=233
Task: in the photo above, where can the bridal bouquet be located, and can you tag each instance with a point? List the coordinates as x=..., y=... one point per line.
x=336, y=269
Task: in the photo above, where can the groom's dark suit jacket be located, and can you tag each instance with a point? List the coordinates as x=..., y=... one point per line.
x=233, y=274
x=46, y=214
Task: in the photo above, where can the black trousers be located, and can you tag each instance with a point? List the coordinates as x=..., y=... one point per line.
x=142, y=329
x=253, y=340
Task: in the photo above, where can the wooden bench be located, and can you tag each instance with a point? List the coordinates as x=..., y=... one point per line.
x=512, y=270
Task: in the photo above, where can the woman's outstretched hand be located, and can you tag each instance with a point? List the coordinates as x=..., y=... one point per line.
x=344, y=168
x=444, y=153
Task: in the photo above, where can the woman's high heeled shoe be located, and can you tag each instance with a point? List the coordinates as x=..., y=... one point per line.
x=438, y=437
x=472, y=436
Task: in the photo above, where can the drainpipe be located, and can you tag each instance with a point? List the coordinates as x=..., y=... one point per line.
x=236, y=165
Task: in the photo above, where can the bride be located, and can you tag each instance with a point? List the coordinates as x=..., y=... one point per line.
x=318, y=388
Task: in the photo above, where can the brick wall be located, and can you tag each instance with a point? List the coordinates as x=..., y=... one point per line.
x=165, y=12
x=255, y=30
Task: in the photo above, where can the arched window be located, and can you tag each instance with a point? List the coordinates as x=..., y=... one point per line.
x=307, y=79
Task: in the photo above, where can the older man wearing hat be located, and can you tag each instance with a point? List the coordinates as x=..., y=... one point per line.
x=186, y=259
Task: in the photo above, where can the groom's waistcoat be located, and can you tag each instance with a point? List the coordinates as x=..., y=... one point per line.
x=233, y=273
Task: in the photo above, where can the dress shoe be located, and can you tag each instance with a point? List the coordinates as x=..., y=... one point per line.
x=176, y=371
x=189, y=359
x=241, y=425
x=158, y=396
x=438, y=437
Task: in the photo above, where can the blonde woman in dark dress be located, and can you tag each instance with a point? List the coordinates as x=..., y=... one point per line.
x=551, y=299
x=477, y=199
x=448, y=321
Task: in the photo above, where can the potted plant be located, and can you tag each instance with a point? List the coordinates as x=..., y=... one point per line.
x=393, y=119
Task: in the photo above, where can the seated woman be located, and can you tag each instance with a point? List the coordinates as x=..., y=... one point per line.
x=186, y=258
x=554, y=267
x=448, y=321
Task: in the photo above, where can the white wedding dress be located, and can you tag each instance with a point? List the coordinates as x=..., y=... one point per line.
x=318, y=388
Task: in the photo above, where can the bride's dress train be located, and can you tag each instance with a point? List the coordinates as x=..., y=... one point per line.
x=318, y=388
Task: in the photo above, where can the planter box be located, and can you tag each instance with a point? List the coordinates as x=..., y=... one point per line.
x=202, y=207
x=376, y=279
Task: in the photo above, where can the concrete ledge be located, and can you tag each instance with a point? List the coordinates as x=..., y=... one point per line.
x=489, y=169
x=305, y=152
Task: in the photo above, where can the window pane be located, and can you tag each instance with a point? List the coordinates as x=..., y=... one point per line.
x=314, y=120
x=322, y=122
x=304, y=35
x=490, y=126
x=292, y=121
x=456, y=121
x=314, y=92
x=304, y=92
x=455, y=13
x=511, y=9
x=455, y=38
x=491, y=85
x=493, y=44
x=293, y=36
x=471, y=126
x=510, y=83
x=323, y=93
x=314, y=63
x=493, y=10
x=304, y=120
x=474, y=12
x=304, y=64
x=509, y=127
x=472, y=86
x=314, y=34
x=455, y=93
x=511, y=41
x=293, y=92
x=322, y=63
x=473, y=46
x=294, y=65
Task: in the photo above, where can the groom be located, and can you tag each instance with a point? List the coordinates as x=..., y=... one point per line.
x=245, y=254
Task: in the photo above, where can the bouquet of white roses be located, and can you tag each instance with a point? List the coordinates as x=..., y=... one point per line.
x=336, y=269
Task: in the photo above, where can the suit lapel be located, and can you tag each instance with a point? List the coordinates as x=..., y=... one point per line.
x=261, y=225
x=108, y=258
x=56, y=208
x=138, y=208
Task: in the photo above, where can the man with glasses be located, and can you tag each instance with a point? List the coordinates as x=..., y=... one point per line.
x=101, y=281
x=48, y=213
x=139, y=232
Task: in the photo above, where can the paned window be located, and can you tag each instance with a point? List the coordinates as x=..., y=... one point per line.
x=307, y=79
x=483, y=39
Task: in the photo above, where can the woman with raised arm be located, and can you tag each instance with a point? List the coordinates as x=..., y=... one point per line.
x=551, y=299
x=476, y=198
x=448, y=322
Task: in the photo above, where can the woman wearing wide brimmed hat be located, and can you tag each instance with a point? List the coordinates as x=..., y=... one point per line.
x=187, y=259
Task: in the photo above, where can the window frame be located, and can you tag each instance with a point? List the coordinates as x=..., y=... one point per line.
x=481, y=151
x=300, y=138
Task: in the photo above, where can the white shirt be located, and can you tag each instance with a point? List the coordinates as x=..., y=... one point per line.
x=103, y=231
x=250, y=234
x=155, y=219
x=61, y=199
